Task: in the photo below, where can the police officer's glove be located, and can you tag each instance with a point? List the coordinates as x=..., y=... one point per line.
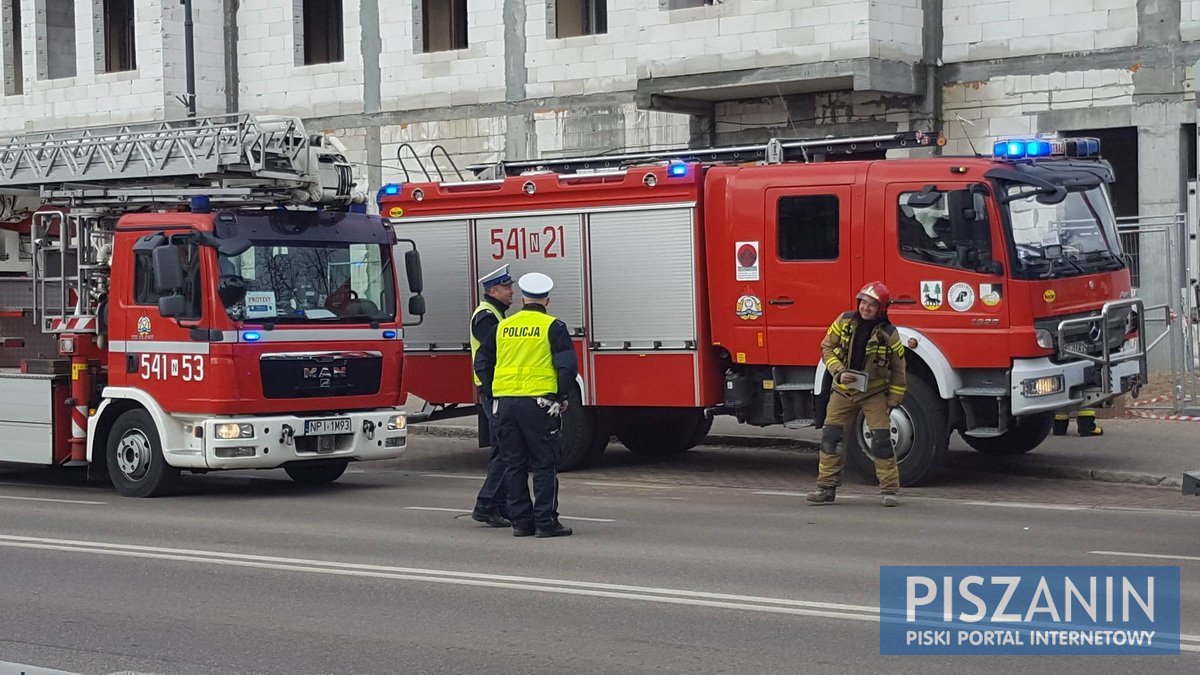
x=552, y=407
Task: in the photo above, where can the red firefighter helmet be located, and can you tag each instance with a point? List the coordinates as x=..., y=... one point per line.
x=878, y=292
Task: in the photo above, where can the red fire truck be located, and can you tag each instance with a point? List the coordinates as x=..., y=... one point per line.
x=700, y=283
x=146, y=333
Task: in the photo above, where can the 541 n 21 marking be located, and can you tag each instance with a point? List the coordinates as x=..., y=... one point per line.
x=523, y=242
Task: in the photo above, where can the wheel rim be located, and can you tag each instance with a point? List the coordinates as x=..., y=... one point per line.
x=133, y=455
x=901, y=429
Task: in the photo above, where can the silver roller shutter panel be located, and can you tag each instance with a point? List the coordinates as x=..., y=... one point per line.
x=643, y=279
x=446, y=268
x=551, y=245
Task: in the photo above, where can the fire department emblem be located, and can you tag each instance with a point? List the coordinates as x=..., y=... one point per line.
x=991, y=294
x=749, y=308
x=931, y=294
x=143, y=326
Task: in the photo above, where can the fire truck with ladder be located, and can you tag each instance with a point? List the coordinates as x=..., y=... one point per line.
x=699, y=283
x=196, y=295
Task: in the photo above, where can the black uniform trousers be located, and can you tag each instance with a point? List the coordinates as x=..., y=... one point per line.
x=529, y=441
x=492, y=498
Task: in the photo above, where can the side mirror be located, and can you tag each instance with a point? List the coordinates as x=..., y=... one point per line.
x=412, y=267
x=416, y=305
x=168, y=269
x=172, y=305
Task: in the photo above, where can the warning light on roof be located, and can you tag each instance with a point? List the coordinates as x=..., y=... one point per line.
x=390, y=190
x=251, y=336
x=677, y=169
x=1046, y=147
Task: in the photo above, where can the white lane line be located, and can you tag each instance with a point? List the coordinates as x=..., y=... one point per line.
x=56, y=501
x=466, y=511
x=453, y=475
x=647, y=486
x=1021, y=505
x=779, y=493
x=1157, y=556
x=649, y=593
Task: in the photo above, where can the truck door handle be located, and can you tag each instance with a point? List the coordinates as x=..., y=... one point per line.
x=781, y=301
x=905, y=300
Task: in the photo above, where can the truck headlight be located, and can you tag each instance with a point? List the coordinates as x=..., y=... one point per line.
x=397, y=422
x=1044, y=338
x=231, y=431
x=1042, y=386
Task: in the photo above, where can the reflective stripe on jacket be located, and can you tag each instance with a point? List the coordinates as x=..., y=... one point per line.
x=883, y=361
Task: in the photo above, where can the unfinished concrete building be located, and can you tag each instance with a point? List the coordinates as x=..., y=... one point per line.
x=527, y=78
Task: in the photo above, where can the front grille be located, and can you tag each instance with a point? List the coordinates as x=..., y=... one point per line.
x=1086, y=337
x=321, y=374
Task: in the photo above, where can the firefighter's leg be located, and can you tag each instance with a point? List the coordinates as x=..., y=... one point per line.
x=833, y=452
x=1086, y=423
x=1062, y=420
x=880, y=423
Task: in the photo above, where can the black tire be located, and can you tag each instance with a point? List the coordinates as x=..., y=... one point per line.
x=317, y=472
x=662, y=432
x=583, y=435
x=1024, y=434
x=700, y=433
x=134, y=457
x=924, y=412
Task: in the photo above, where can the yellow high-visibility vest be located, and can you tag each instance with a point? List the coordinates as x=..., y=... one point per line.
x=484, y=306
x=524, y=362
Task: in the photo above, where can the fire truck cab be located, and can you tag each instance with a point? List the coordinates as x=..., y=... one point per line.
x=701, y=282
x=149, y=332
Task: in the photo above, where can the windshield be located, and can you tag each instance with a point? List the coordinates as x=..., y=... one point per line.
x=1075, y=236
x=310, y=282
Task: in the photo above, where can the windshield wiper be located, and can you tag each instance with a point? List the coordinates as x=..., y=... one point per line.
x=1070, y=259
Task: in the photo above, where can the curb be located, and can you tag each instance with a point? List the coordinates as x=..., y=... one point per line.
x=777, y=442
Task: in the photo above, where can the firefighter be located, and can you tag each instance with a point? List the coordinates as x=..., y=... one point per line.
x=528, y=367
x=862, y=341
x=491, y=503
x=1085, y=423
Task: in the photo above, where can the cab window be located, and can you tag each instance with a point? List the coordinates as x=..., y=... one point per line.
x=143, y=280
x=808, y=227
x=925, y=233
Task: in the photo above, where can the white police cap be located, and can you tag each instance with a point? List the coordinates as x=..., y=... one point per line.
x=496, y=277
x=535, y=285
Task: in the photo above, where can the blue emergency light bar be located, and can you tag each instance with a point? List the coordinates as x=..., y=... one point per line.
x=1033, y=148
x=389, y=190
x=677, y=169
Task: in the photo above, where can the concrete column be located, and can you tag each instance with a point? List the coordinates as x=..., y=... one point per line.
x=520, y=139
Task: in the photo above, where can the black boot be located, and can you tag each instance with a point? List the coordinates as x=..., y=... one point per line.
x=1060, y=425
x=490, y=519
x=555, y=530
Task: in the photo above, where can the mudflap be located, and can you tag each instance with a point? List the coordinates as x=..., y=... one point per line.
x=1191, y=482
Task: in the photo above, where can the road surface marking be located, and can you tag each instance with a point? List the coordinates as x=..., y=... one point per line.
x=1160, y=556
x=1022, y=505
x=777, y=493
x=453, y=475
x=647, y=486
x=560, y=586
x=466, y=511
x=57, y=501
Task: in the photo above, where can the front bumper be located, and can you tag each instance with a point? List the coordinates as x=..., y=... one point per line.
x=280, y=439
x=1078, y=388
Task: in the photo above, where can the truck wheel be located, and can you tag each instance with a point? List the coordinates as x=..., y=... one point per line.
x=583, y=436
x=1025, y=434
x=317, y=472
x=663, y=432
x=135, y=459
x=919, y=435
x=700, y=433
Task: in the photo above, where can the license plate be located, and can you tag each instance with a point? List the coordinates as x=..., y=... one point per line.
x=1080, y=347
x=324, y=427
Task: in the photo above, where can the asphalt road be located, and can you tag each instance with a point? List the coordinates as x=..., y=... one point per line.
x=384, y=573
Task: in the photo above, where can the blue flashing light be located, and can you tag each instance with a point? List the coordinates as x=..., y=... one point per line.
x=677, y=169
x=200, y=204
x=389, y=335
x=1037, y=149
x=251, y=336
x=391, y=189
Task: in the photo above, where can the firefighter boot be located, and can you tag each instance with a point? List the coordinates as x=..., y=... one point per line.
x=1061, y=422
x=885, y=466
x=1086, y=423
x=829, y=473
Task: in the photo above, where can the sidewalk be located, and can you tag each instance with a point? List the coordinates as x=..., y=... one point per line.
x=1136, y=451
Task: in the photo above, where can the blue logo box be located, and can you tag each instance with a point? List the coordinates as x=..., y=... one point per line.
x=1028, y=610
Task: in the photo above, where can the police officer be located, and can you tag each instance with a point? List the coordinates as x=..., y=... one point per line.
x=863, y=341
x=490, y=504
x=529, y=367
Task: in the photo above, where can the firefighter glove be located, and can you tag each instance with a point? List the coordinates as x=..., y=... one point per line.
x=553, y=408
